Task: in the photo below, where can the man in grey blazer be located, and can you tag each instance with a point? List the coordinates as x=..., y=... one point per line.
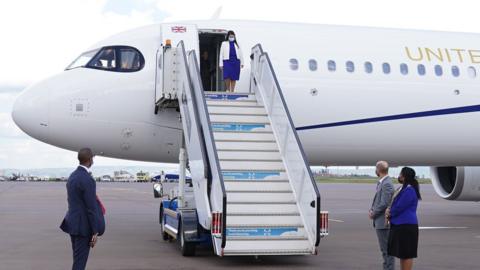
x=381, y=201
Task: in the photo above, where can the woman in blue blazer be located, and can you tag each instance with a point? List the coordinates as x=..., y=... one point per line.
x=231, y=61
x=403, y=237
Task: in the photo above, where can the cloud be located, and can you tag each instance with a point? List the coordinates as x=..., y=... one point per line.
x=412, y=14
x=44, y=38
x=6, y=101
x=31, y=154
x=11, y=88
x=127, y=7
x=8, y=129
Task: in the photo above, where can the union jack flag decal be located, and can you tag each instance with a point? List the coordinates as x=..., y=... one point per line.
x=179, y=29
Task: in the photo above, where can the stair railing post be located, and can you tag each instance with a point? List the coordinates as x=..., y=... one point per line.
x=182, y=158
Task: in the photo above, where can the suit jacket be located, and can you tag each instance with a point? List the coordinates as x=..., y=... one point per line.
x=84, y=216
x=381, y=201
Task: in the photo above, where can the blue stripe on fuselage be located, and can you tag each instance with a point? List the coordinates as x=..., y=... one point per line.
x=457, y=110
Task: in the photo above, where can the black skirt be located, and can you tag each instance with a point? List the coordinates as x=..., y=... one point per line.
x=403, y=241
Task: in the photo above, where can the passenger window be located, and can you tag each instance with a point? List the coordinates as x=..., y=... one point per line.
x=455, y=71
x=130, y=59
x=472, y=72
x=404, y=69
x=368, y=67
x=438, y=70
x=386, y=68
x=312, y=64
x=293, y=64
x=105, y=59
x=421, y=69
x=350, y=66
x=332, y=66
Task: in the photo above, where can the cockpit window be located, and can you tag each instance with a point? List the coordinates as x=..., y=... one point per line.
x=105, y=59
x=112, y=58
x=130, y=59
x=83, y=59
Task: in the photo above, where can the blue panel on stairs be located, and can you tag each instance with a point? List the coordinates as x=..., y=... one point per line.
x=226, y=96
x=258, y=232
x=254, y=175
x=237, y=127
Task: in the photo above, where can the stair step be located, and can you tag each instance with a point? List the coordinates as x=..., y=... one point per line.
x=264, y=221
x=279, y=180
x=256, y=146
x=236, y=110
x=235, y=103
x=254, y=175
x=243, y=136
x=249, y=165
x=244, y=119
x=264, y=191
x=261, y=202
x=228, y=127
x=229, y=96
x=228, y=93
x=265, y=233
x=257, y=186
x=249, y=213
x=252, y=155
x=244, y=209
x=270, y=197
x=264, y=247
x=239, y=141
x=267, y=238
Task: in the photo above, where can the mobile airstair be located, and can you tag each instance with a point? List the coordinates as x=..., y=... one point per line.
x=252, y=191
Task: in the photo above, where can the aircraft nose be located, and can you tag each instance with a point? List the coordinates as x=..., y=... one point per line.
x=30, y=111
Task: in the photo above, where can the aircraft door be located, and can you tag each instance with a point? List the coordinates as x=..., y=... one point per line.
x=159, y=76
x=188, y=33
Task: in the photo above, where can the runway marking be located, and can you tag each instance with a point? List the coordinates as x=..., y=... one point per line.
x=336, y=220
x=442, y=228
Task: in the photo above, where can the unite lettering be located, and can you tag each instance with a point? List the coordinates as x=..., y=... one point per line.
x=443, y=55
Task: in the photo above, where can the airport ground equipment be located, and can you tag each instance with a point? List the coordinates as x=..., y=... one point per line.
x=143, y=176
x=252, y=191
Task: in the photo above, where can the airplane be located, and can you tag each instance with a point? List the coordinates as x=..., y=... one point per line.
x=356, y=95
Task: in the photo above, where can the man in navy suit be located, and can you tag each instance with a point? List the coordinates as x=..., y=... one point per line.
x=84, y=220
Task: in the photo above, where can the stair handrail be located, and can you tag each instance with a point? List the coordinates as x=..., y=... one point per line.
x=218, y=195
x=210, y=141
x=291, y=149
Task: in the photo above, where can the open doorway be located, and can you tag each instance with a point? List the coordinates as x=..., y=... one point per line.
x=210, y=44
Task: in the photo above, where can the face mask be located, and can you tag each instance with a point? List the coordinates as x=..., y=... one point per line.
x=231, y=38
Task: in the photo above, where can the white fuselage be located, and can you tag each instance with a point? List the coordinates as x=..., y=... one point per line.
x=342, y=117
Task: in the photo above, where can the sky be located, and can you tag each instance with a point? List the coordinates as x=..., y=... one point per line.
x=40, y=38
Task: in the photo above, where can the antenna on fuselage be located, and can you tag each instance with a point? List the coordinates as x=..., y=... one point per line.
x=217, y=13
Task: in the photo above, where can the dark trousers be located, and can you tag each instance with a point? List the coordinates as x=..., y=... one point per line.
x=81, y=248
x=388, y=261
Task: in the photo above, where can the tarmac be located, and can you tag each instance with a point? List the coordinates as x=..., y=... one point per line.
x=30, y=214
